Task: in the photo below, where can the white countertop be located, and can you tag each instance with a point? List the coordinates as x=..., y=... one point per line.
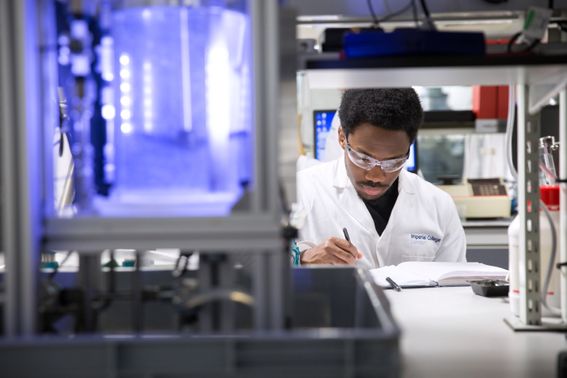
x=451, y=332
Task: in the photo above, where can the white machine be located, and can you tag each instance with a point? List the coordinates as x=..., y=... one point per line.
x=480, y=198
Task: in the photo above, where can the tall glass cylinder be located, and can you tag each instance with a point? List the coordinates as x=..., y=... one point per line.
x=183, y=126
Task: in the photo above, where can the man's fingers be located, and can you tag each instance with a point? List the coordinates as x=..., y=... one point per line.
x=326, y=253
x=346, y=246
x=333, y=251
x=343, y=257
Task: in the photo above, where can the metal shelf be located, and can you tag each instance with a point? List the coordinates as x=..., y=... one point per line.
x=545, y=74
x=436, y=61
x=537, y=78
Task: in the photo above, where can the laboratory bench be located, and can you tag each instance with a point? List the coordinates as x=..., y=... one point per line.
x=451, y=332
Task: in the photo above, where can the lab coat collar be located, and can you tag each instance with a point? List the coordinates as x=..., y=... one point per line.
x=351, y=203
x=342, y=181
x=407, y=182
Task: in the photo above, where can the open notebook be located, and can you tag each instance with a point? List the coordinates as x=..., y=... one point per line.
x=417, y=273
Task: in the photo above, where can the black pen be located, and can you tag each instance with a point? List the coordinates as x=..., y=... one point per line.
x=345, y=233
x=393, y=283
x=347, y=237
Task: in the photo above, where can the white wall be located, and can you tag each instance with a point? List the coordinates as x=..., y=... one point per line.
x=310, y=100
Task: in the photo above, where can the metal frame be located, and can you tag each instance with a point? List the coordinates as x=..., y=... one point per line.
x=259, y=227
x=21, y=196
x=363, y=343
x=245, y=231
x=535, y=84
x=265, y=46
x=562, y=232
x=255, y=229
x=543, y=75
x=528, y=206
x=260, y=221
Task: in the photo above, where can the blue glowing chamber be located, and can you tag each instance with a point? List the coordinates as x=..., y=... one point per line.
x=183, y=127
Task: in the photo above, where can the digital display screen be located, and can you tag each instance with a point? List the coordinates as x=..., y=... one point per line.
x=411, y=164
x=322, y=120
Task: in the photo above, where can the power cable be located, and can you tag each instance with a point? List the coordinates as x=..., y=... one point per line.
x=429, y=21
x=375, y=21
x=398, y=12
x=526, y=49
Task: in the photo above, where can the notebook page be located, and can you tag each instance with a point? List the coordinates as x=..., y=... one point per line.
x=404, y=277
x=454, y=273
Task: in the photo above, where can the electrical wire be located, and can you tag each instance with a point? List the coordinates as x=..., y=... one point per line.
x=429, y=21
x=425, y=8
x=528, y=48
x=375, y=21
x=510, y=130
x=562, y=25
x=56, y=268
x=107, y=298
x=398, y=12
x=180, y=267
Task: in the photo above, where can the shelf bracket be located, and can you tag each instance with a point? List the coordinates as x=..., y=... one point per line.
x=540, y=94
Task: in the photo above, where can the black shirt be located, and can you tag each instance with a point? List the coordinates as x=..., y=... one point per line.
x=381, y=208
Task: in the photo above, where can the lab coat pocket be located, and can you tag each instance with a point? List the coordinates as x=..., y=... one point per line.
x=421, y=247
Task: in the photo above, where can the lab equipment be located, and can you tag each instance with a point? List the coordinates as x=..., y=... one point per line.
x=192, y=117
x=340, y=305
x=174, y=116
x=412, y=42
x=548, y=173
x=490, y=288
x=550, y=278
x=182, y=134
x=480, y=198
x=549, y=221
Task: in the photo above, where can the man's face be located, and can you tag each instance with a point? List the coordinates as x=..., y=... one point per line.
x=368, y=141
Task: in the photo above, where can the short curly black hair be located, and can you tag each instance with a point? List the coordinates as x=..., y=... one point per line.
x=388, y=108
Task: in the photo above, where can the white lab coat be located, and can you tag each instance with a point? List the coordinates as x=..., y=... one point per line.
x=424, y=224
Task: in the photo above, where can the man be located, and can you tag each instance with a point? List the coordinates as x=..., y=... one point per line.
x=391, y=215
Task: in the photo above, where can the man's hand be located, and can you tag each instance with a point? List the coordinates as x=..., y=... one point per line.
x=334, y=251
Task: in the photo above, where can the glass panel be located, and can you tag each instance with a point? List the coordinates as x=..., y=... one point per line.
x=441, y=156
x=180, y=126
